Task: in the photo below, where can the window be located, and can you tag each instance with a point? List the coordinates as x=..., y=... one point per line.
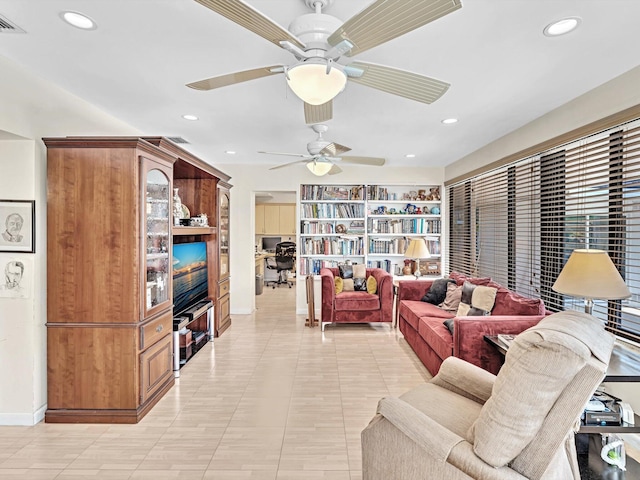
x=520, y=222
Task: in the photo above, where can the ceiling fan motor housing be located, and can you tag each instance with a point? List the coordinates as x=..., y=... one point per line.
x=313, y=29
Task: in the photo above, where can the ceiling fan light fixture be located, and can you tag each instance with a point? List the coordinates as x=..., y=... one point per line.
x=319, y=168
x=310, y=81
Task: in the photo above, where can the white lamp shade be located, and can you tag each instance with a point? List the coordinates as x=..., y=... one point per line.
x=319, y=168
x=417, y=249
x=591, y=274
x=312, y=83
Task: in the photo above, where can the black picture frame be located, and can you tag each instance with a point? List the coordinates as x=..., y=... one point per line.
x=18, y=226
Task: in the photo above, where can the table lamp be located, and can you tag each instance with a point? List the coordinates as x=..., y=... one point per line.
x=590, y=274
x=417, y=250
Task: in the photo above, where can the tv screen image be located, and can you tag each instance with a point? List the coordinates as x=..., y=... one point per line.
x=190, y=274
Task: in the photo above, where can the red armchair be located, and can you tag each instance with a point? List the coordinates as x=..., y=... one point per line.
x=356, y=307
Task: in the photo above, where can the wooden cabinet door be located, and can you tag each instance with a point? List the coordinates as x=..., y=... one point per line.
x=288, y=219
x=156, y=367
x=259, y=219
x=272, y=219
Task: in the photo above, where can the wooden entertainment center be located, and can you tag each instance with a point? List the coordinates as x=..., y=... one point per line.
x=110, y=229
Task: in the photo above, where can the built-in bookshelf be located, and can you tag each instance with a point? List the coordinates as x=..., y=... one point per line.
x=370, y=224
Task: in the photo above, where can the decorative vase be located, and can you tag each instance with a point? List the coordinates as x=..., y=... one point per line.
x=177, y=207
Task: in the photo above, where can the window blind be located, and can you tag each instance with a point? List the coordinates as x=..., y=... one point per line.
x=519, y=223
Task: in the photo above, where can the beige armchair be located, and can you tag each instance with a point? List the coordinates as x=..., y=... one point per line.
x=469, y=424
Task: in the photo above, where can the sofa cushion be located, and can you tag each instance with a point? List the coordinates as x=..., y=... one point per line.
x=372, y=284
x=476, y=300
x=510, y=303
x=339, y=284
x=347, y=285
x=460, y=278
x=438, y=291
x=436, y=335
x=360, y=277
x=413, y=310
x=452, y=300
x=346, y=271
x=357, y=301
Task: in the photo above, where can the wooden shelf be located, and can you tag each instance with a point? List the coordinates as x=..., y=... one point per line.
x=193, y=230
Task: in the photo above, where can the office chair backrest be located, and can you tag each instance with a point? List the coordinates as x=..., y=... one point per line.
x=285, y=255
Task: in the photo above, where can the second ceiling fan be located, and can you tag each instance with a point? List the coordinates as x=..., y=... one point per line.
x=319, y=42
x=324, y=156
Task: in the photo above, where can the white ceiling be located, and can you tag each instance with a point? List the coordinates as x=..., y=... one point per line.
x=503, y=72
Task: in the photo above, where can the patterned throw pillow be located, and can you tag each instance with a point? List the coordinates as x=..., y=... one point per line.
x=452, y=299
x=438, y=291
x=360, y=277
x=476, y=300
x=346, y=271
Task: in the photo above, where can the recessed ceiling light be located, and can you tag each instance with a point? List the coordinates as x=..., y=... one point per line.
x=561, y=27
x=230, y=152
x=78, y=20
x=189, y=117
x=410, y=155
x=449, y=121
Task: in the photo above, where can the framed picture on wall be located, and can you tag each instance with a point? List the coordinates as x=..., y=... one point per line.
x=18, y=226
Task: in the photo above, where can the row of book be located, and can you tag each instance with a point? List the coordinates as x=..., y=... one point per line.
x=383, y=264
x=332, y=246
x=332, y=210
x=311, y=266
x=409, y=225
x=328, y=192
x=396, y=246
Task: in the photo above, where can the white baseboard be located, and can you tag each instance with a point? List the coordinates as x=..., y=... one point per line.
x=23, y=419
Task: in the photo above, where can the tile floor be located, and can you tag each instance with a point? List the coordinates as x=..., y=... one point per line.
x=270, y=399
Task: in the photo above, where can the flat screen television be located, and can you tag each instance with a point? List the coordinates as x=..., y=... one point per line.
x=190, y=276
x=269, y=243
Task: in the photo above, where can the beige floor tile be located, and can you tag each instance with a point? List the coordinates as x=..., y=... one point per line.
x=270, y=399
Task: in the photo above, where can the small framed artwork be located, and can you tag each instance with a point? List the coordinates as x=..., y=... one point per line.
x=430, y=267
x=17, y=273
x=18, y=226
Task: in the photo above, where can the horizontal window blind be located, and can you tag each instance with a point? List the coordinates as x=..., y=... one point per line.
x=519, y=223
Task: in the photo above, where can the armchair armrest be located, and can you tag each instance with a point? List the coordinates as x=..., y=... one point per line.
x=424, y=431
x=469, y=332
x=385, y=291
x=465, y=379
x=412, y=290
x=328, y=289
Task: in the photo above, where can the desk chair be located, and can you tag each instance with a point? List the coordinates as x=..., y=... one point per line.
x=284, y=259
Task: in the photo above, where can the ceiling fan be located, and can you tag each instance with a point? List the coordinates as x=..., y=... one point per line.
x=319, y=41
x=323, y=156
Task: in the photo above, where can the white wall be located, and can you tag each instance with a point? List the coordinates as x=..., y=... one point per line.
x=247, y=181
x=29, y=110
x=612, y=97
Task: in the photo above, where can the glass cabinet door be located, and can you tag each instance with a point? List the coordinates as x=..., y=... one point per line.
x=223, y=230
x=158, y=240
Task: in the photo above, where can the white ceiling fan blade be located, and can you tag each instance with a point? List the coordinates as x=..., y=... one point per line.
x=334, y=149
x=301, y=155
x=248, y=17
x=237, y=77
x=384, y=20
x=334, y=170
x=376, y=161
x=400, y=82
x=318, y=113
x=288, y=164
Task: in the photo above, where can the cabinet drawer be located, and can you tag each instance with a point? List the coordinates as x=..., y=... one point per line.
x=156, y=367
x=224, y=288
x=156, y=329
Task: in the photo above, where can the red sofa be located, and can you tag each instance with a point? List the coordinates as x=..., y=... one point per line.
x=356, y=307
x=422, y=325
